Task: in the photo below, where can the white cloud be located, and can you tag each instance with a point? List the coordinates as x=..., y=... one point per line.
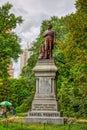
x=35, y=11
x=31, y=35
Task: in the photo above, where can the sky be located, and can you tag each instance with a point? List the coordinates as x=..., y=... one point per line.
x=33, y=13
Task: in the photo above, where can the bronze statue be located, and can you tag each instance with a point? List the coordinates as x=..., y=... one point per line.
x=47, y=47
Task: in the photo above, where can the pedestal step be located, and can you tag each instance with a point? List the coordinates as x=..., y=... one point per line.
x=49, y=120
x=44, y=117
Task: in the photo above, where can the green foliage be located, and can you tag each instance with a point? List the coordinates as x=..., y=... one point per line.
x=9, y=41
x=74, y=85
x=26, y=105
x=4, y=90
x=18, y=91
x=9, y=46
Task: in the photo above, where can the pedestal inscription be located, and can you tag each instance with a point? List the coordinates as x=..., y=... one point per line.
x=44, y=107
x=44, y=85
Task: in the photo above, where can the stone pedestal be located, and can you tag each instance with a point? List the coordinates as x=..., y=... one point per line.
x=45, y=105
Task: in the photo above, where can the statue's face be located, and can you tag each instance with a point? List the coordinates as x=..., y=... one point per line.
x=49, y=26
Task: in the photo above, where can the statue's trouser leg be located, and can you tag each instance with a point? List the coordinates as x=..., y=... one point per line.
x=46, y=48
x=50, y=47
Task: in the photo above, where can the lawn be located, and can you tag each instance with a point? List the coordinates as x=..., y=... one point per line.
x=22, y=126
x=16, y=123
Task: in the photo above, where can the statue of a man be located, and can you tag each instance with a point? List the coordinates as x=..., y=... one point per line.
x=49, y=36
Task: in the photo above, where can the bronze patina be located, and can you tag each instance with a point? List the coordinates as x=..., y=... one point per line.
x=47, y=47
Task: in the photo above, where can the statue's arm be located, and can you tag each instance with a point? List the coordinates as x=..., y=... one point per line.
x=45, y=34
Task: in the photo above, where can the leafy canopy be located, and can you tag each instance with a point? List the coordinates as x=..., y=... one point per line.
x=9, y=46
x=9, y=41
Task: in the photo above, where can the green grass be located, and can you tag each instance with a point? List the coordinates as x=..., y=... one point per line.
x=21, y=126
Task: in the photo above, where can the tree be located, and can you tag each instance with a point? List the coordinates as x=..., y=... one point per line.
x=9, y=44
x=75, y=51
x=18, y=91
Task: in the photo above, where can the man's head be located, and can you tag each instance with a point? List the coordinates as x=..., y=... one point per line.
x=49, y=26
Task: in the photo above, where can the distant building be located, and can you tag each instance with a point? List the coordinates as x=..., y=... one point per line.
x=11, y=70
x=25, y=56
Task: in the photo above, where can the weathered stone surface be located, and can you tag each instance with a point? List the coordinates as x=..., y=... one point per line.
x=45, y=66
x=45, y=85
x=45, y=105
x=49, y=120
